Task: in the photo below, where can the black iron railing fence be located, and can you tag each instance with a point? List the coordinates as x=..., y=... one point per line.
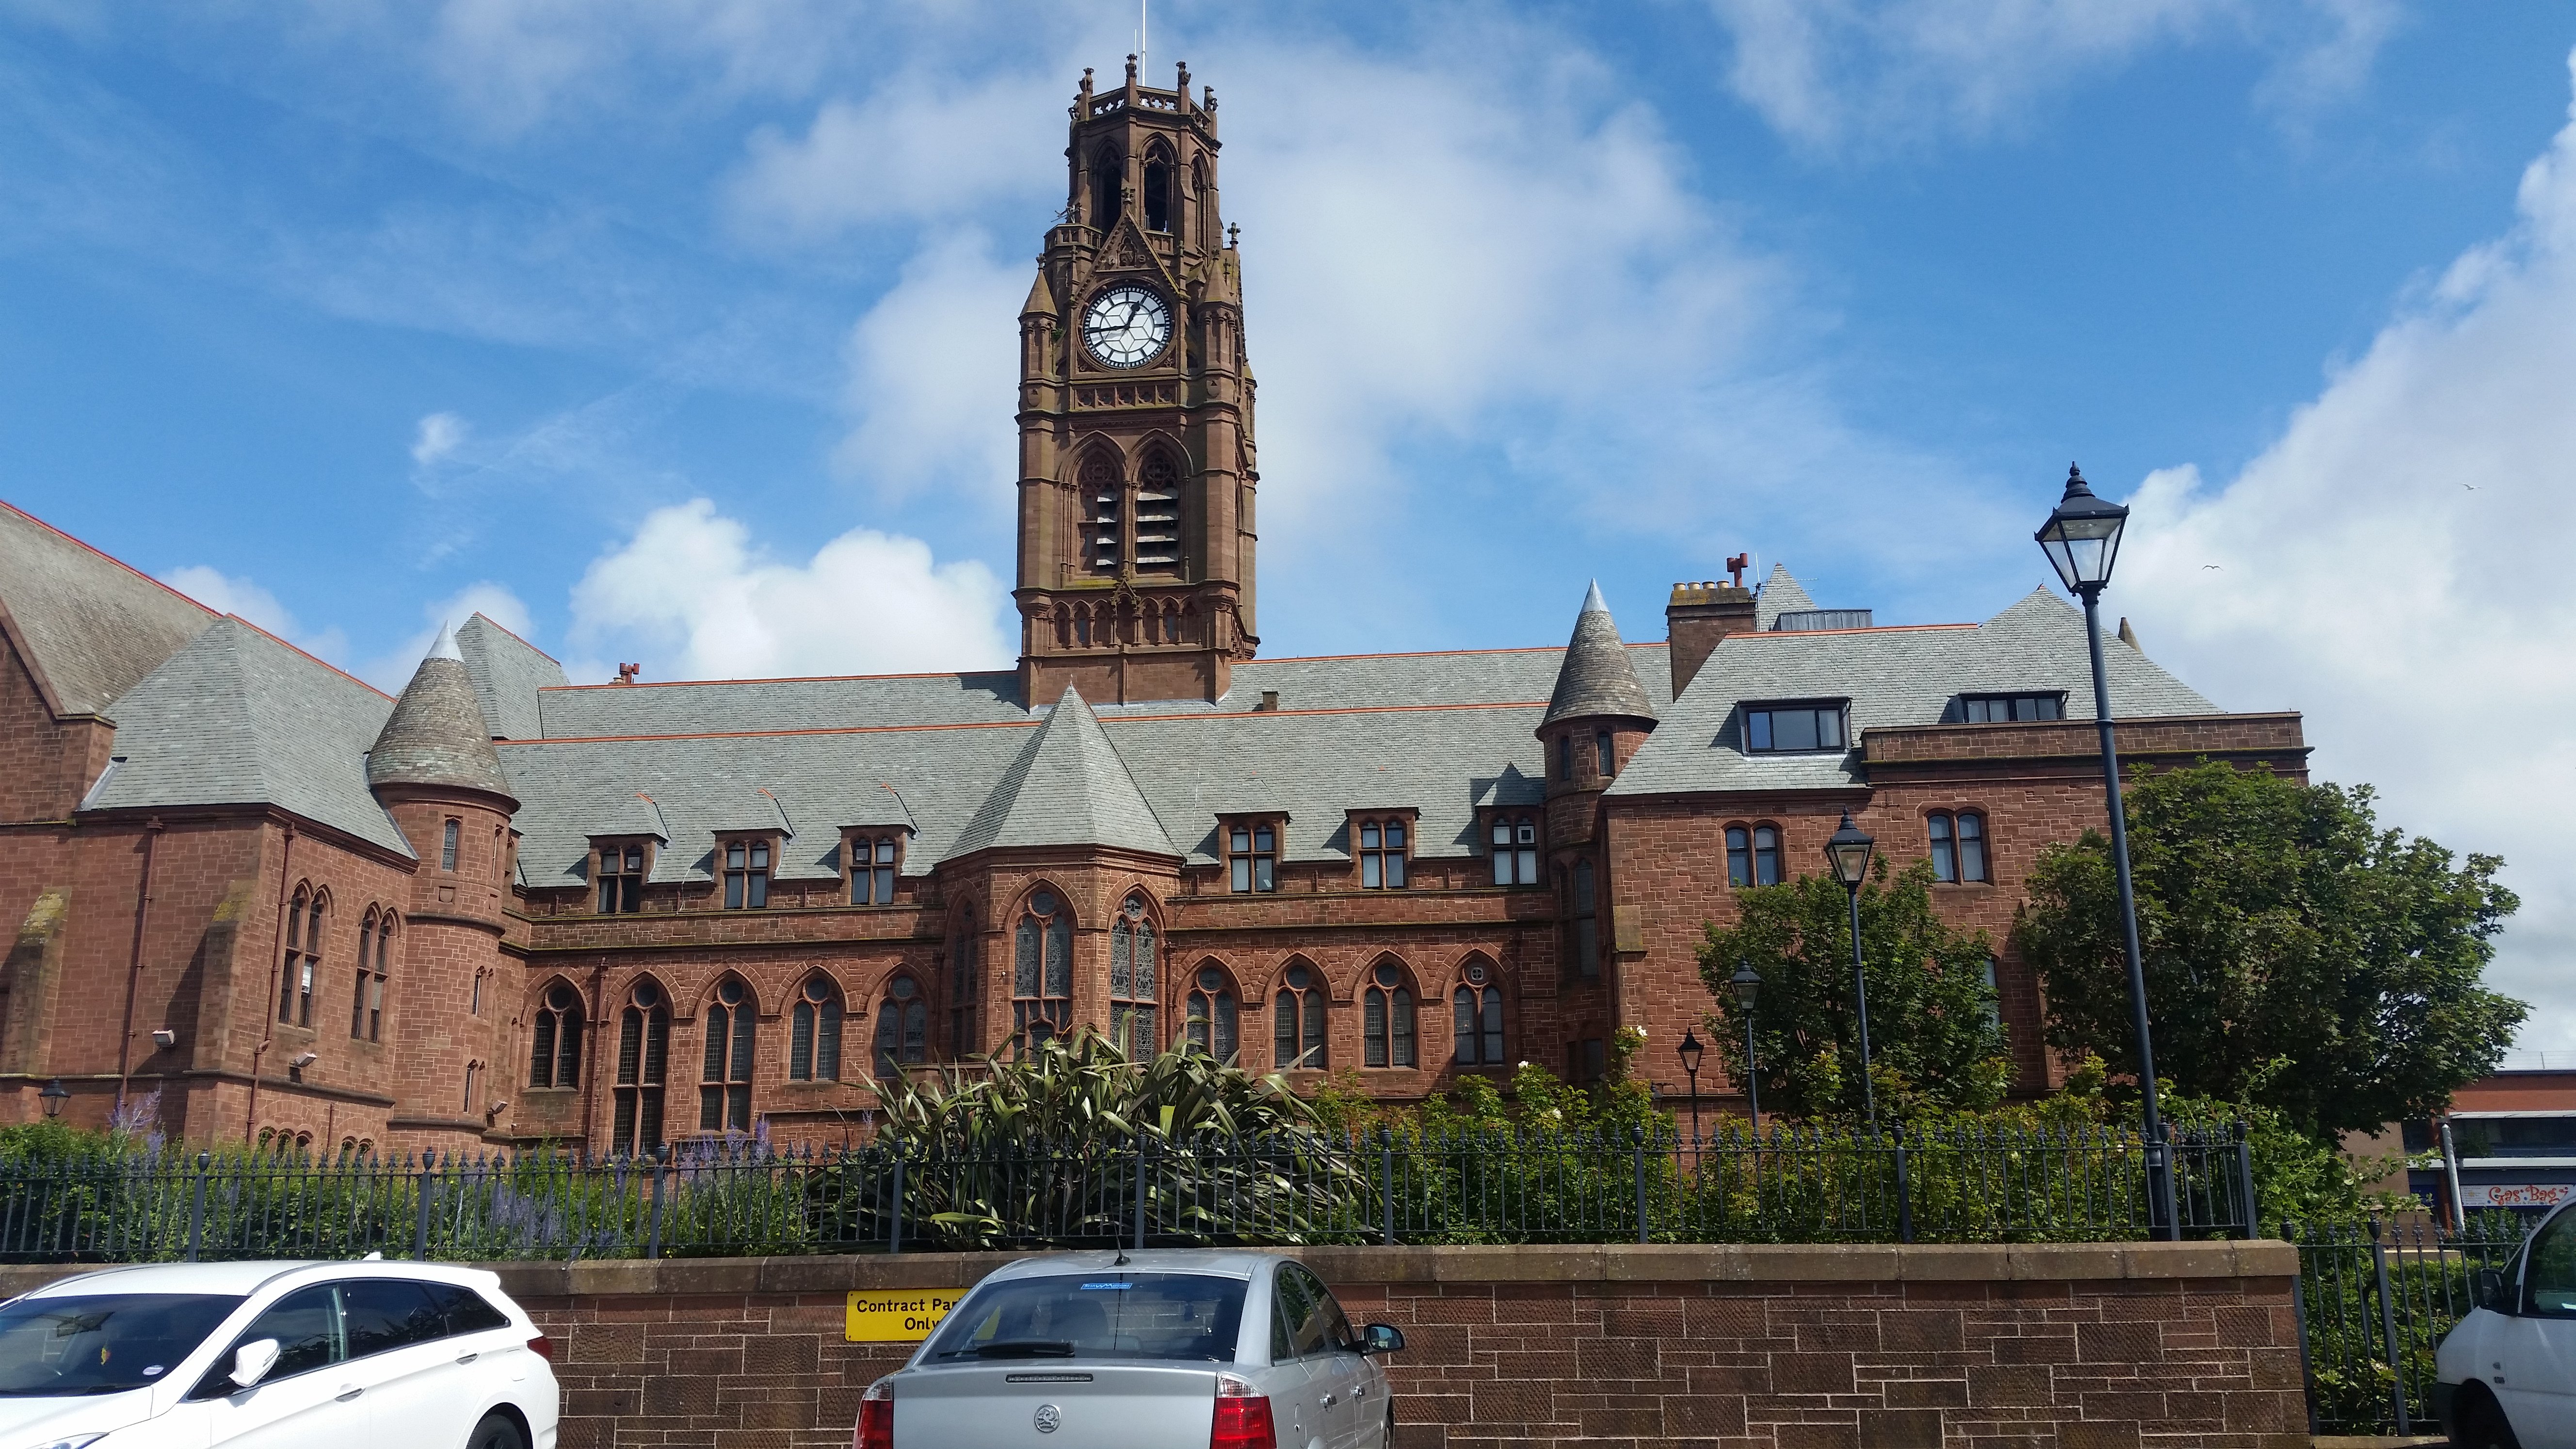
x=740, y=1198
x=2375, y=1299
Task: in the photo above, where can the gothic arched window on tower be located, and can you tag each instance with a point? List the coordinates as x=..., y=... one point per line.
x=1476, y=1032
x=1042, y=970
x=554, y=1053
x=814, y=1033
x=1297, y=1021
x=1587, y=921
x=1158, y=190
x=1158, y=513
x=1387, y=1019
x=1135, y=984
x=1205, y=197
x=1108, y=180
x=643, y=1060
x=903, y=1029
x=1213, y=1017
x=1104, y=515
x=724, y=1090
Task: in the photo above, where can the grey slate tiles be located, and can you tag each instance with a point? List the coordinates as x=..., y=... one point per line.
x=94, y=626
x=1596, y=678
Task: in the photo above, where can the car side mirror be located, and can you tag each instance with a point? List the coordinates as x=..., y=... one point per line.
x=252, y=1362
x=2487, y=1290
x=1381, y=1338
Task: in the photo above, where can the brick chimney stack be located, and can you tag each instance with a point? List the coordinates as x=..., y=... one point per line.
x=1699, y=615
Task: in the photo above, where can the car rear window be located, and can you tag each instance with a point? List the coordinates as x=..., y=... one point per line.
x=102, y=1343
x=1191, y=1317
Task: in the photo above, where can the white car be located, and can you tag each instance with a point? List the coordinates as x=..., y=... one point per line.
x=1179, y=1349
x=2506, y=1374
x=274, y=1356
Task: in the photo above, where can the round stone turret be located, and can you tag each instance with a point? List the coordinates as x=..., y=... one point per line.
x=436, y=735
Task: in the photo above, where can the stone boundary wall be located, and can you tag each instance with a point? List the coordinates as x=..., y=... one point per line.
x=2077, y=1346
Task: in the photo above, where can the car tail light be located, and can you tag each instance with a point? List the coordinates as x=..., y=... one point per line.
x=1242, y=1417
x=543, y=1347
x=876, y=1418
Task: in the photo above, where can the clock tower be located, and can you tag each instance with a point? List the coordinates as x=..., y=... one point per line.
x=1136, y=459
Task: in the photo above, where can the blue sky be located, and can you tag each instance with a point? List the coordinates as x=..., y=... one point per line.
x=682, y=330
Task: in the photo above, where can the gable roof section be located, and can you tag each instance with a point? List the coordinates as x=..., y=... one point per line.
x=237, y=718
x=92, y=626
x=1780, y=594
x=1068, y=787
x=507, y=672
x=1891, y=676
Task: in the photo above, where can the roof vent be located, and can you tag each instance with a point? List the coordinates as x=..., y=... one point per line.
x=1808, y=621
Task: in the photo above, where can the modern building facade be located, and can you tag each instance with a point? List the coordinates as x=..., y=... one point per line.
x=254, y=896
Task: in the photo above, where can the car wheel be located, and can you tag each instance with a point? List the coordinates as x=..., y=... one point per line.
x=1389, y=1441
x=497, y=1431
x=2479, y=1423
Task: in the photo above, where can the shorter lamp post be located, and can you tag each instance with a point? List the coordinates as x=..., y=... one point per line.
x=1848, y=853
x=1690, y=1050
x=54, y=1096
x=1748, y=986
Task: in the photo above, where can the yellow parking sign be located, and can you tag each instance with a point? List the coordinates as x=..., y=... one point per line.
x=903, y=1317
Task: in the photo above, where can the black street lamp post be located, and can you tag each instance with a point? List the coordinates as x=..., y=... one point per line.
x=1748, y=986
x=2082, y=540
x=1690, y=1050
x=1848, y=853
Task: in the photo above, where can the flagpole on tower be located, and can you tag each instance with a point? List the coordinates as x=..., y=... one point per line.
x=1143, y=59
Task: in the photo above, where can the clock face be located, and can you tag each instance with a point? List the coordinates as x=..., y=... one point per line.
x=1126, y=325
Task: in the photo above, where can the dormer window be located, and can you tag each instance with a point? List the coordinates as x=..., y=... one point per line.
x=2011, y=708
x=1252, y=857
x=746, y=874
x=1515, y=850
x=620, y=874
x=1382, y=852
x=872, y=865
x=1792, y=728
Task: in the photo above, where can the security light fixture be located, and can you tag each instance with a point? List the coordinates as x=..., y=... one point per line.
x=164, y=1038
x=2082, y=537
x=304, y=1059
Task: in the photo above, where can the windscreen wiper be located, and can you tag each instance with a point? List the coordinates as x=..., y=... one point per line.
x=1021, y=1348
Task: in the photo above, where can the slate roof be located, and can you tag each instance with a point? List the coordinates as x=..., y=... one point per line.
x=435, y=734
x=1905, y=675
x=1779, y=594
x=95, y=626
x=237, y=718
x=1596, y=678
x=507, y=672
x=1068, y=786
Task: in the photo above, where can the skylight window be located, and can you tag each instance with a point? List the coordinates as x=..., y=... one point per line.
x=1791, y=728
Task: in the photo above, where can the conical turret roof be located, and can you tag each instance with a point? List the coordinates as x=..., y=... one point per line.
x=436, y=734
x=1596, y=678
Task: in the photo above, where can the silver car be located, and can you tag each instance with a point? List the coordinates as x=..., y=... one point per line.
x=1149, y=1350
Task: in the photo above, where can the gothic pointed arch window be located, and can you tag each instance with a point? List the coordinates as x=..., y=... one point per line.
x=1297, y=1020
x=1587, y=921
x=1158, y=188
x=1388, y=1021
x=1101, y=486
x=554, y=1038
x=965, y=985
x=903, y=1029
x=814, y=1032
x=367, y=999
x=1135, y=980
x=1476, y=1018
x=643, y=1063
x=297, y=983
x=1203, y=197
x=724, y=1087
x=1158, y=512
x=1108, y=183
x=1042, y=970
x=1212, y=1019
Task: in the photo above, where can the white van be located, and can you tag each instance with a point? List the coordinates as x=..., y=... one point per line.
x=2506, y=1375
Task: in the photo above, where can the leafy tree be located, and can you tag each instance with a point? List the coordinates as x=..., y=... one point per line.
x=2297, y=955
x=1935, y=1041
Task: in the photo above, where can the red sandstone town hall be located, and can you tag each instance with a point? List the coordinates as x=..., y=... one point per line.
x=258, y=898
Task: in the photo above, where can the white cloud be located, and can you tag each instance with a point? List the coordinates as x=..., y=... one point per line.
x=916, y=147
x=933, y=374
x=225, y=594
x=393, y=669
x=692, y=597
x=2394, y=564
x=440, y=434
x=1877, y=75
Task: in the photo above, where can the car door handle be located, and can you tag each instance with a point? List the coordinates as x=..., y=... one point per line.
x=467, y=1357
x=345, y=1395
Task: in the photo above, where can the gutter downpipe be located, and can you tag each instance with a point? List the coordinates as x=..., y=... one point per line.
x=134, y=970
x=276, y=963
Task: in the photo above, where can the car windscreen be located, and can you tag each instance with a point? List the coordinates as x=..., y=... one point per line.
x=1191, y=1317
x=102, y=1343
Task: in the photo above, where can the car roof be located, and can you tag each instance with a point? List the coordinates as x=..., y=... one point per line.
x=1214, y=1262
x=244, y=1278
